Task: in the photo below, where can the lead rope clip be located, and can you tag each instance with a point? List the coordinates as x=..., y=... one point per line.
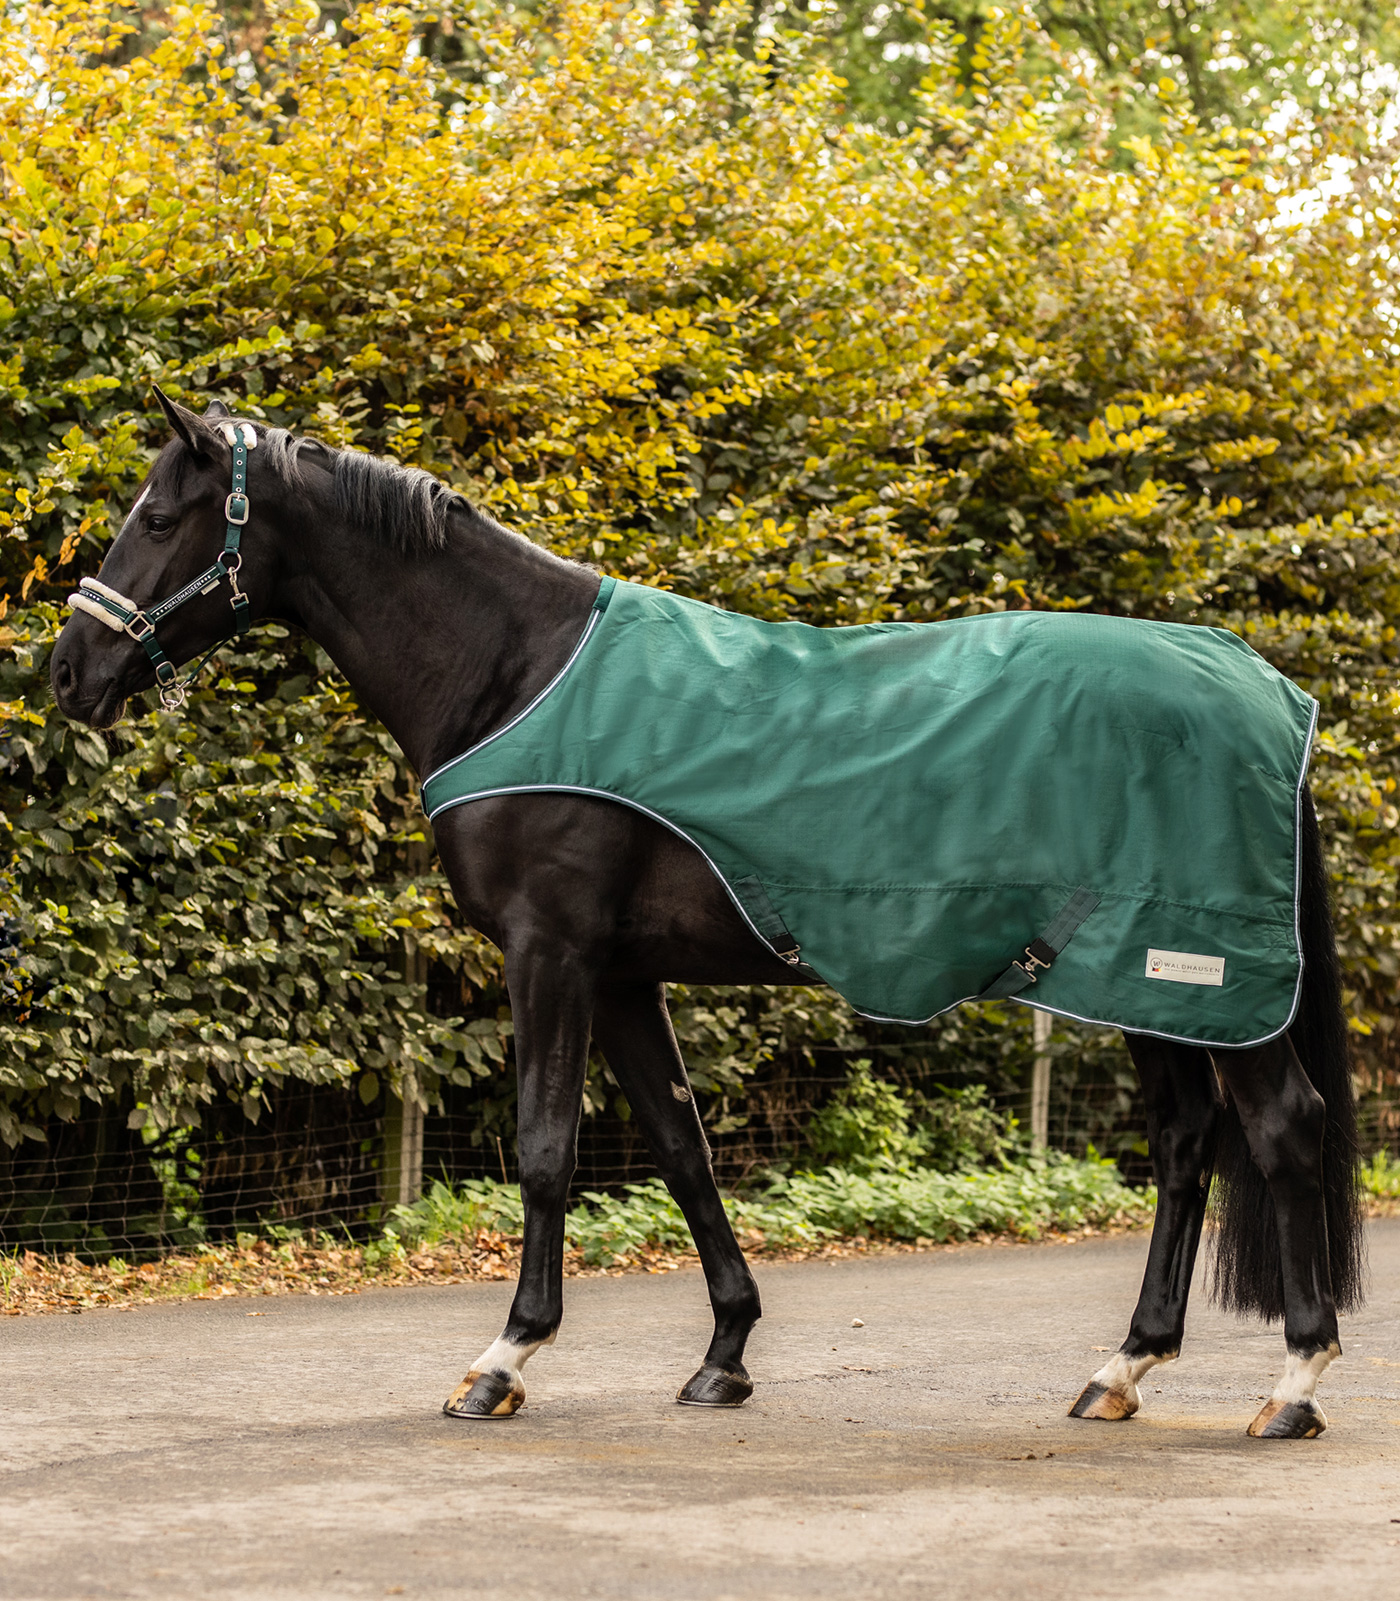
x=173, y=692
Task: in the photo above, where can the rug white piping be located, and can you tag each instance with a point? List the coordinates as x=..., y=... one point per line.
x=595, y=617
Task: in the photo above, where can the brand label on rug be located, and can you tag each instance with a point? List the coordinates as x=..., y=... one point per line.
x=1185, y=967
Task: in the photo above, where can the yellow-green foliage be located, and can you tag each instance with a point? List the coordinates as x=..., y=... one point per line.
x=650, y=297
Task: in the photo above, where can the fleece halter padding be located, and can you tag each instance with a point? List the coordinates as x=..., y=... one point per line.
x=104, y=614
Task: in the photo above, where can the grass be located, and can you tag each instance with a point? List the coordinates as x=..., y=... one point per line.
x=1380, y=1182
x=803, y=1211
x=471, y=1232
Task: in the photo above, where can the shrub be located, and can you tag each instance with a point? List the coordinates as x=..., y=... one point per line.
x=643, y=290
x=865, y=1125
x=869, y=1124
x=1027, y=1198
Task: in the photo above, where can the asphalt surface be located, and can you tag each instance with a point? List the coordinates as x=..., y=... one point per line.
x=293, y=1446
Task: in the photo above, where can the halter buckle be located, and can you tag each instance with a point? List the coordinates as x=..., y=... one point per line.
x=147, y=628
x=242, y=499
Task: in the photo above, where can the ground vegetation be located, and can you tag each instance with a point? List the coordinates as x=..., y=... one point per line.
x=653, y=288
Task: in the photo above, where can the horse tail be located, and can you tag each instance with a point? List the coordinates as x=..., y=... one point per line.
x=1248, y=1275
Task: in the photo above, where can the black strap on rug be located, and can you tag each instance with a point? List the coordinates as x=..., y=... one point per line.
x=1042, y=951
x=768, y=921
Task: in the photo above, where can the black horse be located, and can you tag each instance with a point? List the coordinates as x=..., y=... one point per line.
x=447, y=625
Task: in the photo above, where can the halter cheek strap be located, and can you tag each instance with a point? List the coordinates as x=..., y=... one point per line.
x=124, y=616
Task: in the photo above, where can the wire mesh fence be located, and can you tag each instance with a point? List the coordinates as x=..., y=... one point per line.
x=323, y=1157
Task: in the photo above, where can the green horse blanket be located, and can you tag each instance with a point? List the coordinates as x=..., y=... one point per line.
x=1096, y=815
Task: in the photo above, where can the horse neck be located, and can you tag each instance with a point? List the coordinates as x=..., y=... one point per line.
x=442, y=647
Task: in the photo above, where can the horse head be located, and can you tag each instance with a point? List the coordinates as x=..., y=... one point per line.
x=195, y=562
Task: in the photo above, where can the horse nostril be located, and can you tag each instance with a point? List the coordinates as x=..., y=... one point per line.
x=62, y=675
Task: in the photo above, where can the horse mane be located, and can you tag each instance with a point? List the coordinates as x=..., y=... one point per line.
x=402, y=507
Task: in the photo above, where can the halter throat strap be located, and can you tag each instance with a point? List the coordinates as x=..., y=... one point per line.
x=124, y=616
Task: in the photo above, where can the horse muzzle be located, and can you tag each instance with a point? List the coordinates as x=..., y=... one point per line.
x=87, y=675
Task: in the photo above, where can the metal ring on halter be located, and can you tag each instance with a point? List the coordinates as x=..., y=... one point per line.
x=172, y=690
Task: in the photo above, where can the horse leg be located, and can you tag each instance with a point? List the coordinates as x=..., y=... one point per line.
x=1283, y=1118
x=1179, y=1089
x=551, y=1002
x=633, y=1027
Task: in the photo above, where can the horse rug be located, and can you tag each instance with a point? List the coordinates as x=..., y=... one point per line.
x=1094, y=814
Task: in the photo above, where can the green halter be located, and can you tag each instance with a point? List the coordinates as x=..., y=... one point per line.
x=125, y=616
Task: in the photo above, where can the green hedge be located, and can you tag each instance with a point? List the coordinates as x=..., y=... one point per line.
x=651, y=296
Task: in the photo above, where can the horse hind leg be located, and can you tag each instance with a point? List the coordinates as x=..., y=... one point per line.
x=1183, y=1110
x=1283, y=1118
x=1292, y=1412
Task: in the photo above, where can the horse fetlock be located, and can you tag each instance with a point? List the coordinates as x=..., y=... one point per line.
x=735, y=1319
x=522, y=1338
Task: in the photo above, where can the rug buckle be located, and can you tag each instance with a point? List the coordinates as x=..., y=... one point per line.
x=1037, y=955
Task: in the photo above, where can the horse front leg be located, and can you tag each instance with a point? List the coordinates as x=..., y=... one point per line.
x=552, y=1006
x=633, y=1027
x=1183, y=1114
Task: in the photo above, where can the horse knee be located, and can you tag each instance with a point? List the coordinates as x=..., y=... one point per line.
x=545, y=1177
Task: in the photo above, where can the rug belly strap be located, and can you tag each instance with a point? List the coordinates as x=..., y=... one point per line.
x=1042, y=951
x=769, y=923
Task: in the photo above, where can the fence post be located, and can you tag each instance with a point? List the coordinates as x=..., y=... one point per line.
x=1040, y=1081
x=403, y=1117
x=403, y=1150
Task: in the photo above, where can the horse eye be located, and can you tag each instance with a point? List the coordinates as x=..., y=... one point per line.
x=156, y=524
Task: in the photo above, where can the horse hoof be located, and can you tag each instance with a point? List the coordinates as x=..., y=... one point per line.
x=1288, y=1420
x=716, y=1386
x=1110, y=1406
x=485, y=1395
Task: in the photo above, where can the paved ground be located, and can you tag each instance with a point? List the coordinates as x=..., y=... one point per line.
x=201, y=1450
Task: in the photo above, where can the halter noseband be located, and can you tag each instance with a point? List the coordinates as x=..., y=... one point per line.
x=124, y=616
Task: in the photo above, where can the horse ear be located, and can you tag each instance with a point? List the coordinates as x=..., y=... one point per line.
x=195, y=432
x=216, y=409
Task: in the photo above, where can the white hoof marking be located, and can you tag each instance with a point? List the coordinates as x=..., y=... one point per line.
x=506, y=1358
x=1121, y=1374
x=1300, y=1375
